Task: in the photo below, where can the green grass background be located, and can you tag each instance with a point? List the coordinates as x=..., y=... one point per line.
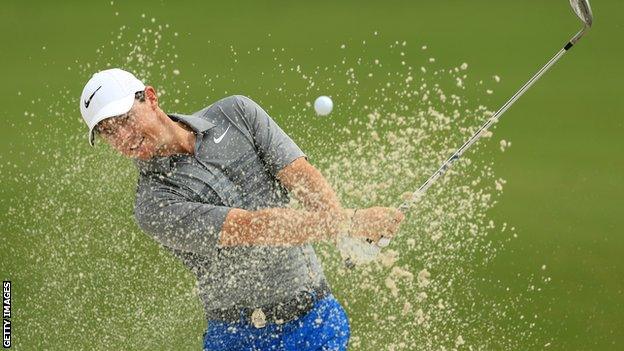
x=565, y=170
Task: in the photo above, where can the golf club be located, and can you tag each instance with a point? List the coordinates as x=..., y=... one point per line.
x=356, y=252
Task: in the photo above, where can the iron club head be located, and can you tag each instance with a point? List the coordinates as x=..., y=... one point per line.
x=583, y=11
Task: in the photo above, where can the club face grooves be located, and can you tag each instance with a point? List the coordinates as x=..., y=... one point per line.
x=583, y=11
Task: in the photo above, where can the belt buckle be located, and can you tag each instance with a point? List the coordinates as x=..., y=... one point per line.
x=258, y=318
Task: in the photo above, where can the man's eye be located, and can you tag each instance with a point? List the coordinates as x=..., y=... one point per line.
x=106, y=128
x=103, y=131
x=110, y=126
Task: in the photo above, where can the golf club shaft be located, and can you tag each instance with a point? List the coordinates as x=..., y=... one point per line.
x=405, y=206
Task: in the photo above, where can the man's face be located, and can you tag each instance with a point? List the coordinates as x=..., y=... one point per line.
x=140, y=133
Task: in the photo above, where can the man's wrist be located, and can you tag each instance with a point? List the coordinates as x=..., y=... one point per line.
x=347, y=224
x=341, y=223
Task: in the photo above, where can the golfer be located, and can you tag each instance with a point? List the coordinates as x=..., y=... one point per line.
x=214, y=189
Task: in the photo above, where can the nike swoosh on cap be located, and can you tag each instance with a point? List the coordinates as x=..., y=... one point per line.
x=88, y=101
x=218, y=140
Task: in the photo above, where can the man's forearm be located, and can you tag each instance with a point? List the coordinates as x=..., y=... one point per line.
x=281, y=226
x=323, y=218
x=309, y=186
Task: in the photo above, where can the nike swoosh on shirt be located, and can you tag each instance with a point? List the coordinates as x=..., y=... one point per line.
x=88, y=101
x=218, y=140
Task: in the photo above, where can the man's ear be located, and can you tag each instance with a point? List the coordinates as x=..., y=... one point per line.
x=151, y=97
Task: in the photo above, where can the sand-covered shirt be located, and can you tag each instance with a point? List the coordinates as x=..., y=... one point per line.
x=182, y=202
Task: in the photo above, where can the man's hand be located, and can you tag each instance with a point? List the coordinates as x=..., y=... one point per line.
x=375, y=222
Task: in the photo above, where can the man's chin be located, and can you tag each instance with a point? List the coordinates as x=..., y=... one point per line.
x=142, y=157
x=145, y=152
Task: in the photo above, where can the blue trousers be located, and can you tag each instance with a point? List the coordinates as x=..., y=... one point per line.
x=325, y=328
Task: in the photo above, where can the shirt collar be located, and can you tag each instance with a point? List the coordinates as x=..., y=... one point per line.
x=198, y=124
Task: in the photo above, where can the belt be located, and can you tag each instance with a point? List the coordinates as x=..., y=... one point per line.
x=278, y=313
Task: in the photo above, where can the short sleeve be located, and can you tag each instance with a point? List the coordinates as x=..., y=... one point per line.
x=176, y=221
x=275, y=147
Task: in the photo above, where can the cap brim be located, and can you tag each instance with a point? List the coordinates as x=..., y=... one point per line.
x=115, y=108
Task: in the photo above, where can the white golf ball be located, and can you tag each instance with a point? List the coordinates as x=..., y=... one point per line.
x=323, y=105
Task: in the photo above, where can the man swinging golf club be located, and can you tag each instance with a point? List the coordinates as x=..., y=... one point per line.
x=213, y=189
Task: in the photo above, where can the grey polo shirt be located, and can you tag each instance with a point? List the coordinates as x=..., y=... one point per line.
x=182, y=201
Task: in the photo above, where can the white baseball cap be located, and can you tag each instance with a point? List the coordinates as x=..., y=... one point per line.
x=107, y=94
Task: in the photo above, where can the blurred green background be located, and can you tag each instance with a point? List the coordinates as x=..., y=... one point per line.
x=564, y=194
